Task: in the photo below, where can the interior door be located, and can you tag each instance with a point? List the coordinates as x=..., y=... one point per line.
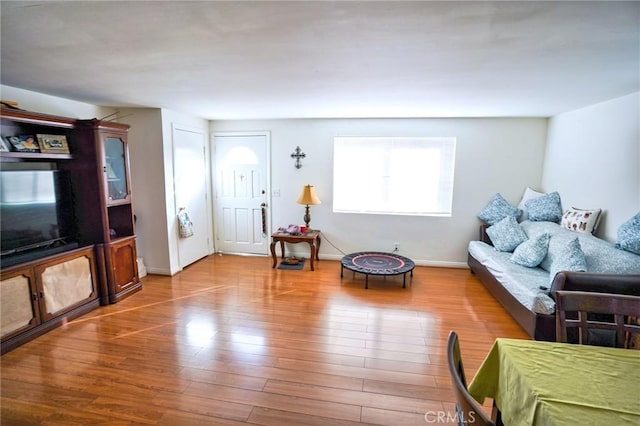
x=190, y=185
x=242, y=188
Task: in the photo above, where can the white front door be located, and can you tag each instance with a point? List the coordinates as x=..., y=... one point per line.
x=190, y=185
x=242, y=189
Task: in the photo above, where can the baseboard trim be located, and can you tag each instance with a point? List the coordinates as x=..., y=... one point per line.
x=160, y=271
x=418, y=262
x=442, y=264
x=338, y=257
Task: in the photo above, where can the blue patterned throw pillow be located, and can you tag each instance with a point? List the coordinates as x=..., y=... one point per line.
x=629, y=235
x=546, y=208
x=497, y=209
x=507, y=234
x=532, y=252
x=569, y=258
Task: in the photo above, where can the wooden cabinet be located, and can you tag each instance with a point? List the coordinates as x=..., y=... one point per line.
x=18, y=302
x=111, y=155
x=40, y=295
x=121, y=268
x=97, y=168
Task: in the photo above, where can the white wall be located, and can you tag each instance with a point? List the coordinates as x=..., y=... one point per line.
x=147, y=174
x=151, y=156
x=170, y=119
x=493, y=155
x=593, y=160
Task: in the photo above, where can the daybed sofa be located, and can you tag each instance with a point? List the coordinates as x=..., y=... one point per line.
x=526, y=291
x=518, y=288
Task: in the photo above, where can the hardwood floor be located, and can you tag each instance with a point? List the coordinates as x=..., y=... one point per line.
x=232, y=341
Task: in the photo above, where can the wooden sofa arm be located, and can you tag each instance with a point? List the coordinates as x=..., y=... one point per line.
x=483, y=234
x=596, y=282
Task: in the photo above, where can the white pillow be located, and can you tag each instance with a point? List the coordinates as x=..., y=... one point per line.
x=529, y=194
x=581, y=220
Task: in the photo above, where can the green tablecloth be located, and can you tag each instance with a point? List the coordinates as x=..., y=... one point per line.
x=547, y=383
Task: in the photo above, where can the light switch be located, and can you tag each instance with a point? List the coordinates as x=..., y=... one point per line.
x=275, y=192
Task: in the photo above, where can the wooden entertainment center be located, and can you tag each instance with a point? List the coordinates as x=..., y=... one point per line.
x=99, y=266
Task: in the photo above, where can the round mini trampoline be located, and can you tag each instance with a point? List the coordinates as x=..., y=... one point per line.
x=377, y=263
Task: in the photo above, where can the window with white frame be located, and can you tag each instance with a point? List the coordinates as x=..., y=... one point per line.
x=394, y=175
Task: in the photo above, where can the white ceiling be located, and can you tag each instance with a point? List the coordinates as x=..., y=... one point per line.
x=259, y=59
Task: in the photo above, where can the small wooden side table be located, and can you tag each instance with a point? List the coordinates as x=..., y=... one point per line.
x=310, y=237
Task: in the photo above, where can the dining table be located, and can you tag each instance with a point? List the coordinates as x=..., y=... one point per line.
x=549, y=383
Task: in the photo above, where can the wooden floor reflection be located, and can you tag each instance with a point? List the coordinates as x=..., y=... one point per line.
x=232, y=341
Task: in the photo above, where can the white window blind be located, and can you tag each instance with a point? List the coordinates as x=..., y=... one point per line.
x=394, y=175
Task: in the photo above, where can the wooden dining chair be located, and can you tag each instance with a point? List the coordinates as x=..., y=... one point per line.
x=593, y=309
x=468, y=411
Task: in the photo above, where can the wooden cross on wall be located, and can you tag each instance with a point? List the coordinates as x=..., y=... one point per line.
x=298, y=155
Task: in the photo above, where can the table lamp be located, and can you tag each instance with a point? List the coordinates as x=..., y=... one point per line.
x=308, y=197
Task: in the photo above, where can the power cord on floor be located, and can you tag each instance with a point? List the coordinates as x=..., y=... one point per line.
x=324, y=237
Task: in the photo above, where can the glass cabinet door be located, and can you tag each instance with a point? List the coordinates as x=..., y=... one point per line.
x=115, y=169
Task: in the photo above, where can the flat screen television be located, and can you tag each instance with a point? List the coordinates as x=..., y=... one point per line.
x=36, y=214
